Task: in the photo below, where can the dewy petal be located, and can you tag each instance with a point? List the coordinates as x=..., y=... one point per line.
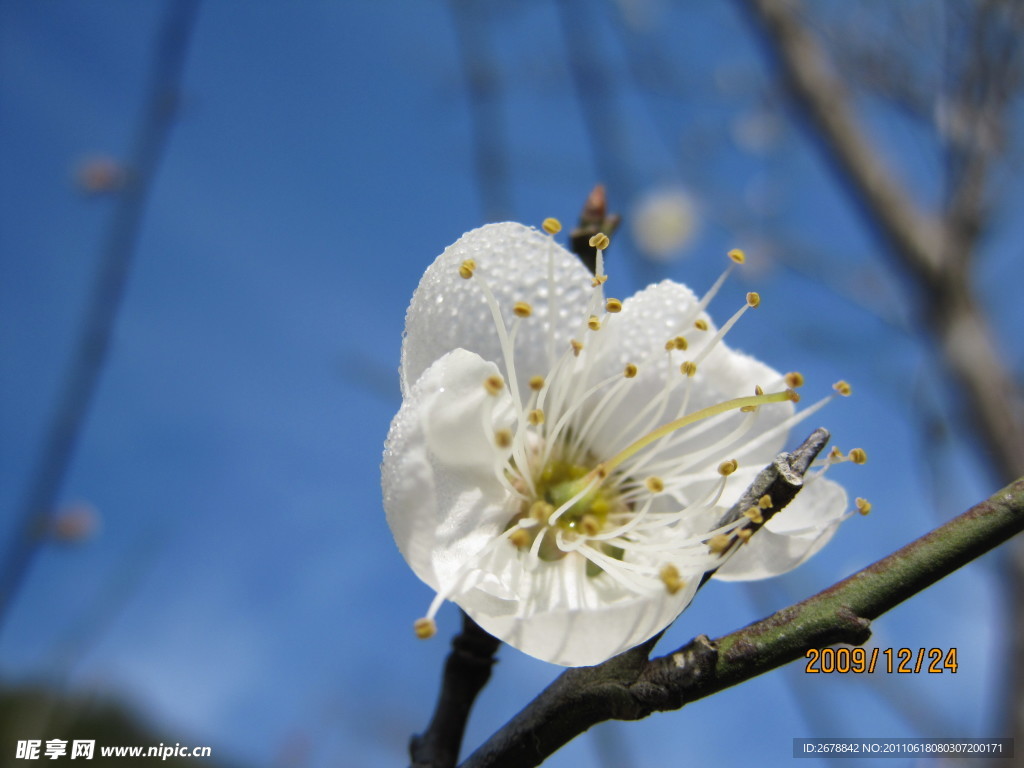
x=437, y=472
x=792, y=536
x=648, y=319
x=448, y=312
x=569, y=618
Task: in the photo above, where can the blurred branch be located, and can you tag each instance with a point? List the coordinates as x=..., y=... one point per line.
x=631, y=687
x=483, y=92
x=934, y=250
x=94, y=340
x=465, y=674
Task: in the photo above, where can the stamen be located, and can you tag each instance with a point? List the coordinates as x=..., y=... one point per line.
x=593, y=323
x=613, y=306
x=494, y=385
x=858, y=456
x=535, y=417
x=765, y=502
x=522, y=309
x=654, y=484
x=467, y=268
x=630, y=371
x=536, y=383
x=794, y=379
x=737, y=255
x=843, y=388
x=551, y=225
x=700, y=324
x=669, y=575
x=600, y=241
x=425, y=628
x=699, y=415
x=689, y=368
x=753, y=299
x=754, y=515
x=520, y=538
x=744, y=534
x=719, y=543
x=726, y=468
x=577, y=347
x=503, y=438
x=863, y=505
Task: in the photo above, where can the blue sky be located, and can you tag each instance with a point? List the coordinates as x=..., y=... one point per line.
x=243, y=590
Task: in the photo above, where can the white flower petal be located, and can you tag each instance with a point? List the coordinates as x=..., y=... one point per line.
x=571, y=619
x=638, y=335
x=792, y=536
x=441, y=424
x=448, y=312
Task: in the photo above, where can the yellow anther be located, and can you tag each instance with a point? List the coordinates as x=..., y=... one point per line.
x=843, y=388
x=577, y=347
x=737, y=255
x=670, y=577
x=600, y=241
x=494, y=385
x=551, y=225
x=689, y=368
x=536, y=383
x=535, y=417
x=793, y=397
x=466, y=269
x=598, y=280
x=748, y=409
x=503, y=438
x=753, y=299
x=590, y=525
x=863, y=505
x=754, y=515
x=630, y=371
x=681, y=343
x=744, y=534
x=425, y=628
x=541, y=511
x=757, y=390
x=670, y=345
x=594, y=323
x=794, y=379
x=654, y=484
x=613, y=306
x=835, y=454
x=726, y=468
x=522, y=309
x=520, y=538
x=765, y=502
x=858, y=455
x=719, y=543
x=700, y=324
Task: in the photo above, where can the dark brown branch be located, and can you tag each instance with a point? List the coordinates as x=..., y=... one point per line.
x=465, y=674
x=629, y=687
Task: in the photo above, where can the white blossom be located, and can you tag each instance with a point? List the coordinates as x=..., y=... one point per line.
x=561, y=460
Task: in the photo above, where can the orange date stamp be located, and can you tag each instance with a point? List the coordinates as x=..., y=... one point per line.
x=906, y=661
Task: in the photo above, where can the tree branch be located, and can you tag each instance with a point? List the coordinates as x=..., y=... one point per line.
x=629, y=687
x=934, y=250
x=465, y=674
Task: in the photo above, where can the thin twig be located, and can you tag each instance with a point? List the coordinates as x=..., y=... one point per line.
x=465, y=674
x=97, y=327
